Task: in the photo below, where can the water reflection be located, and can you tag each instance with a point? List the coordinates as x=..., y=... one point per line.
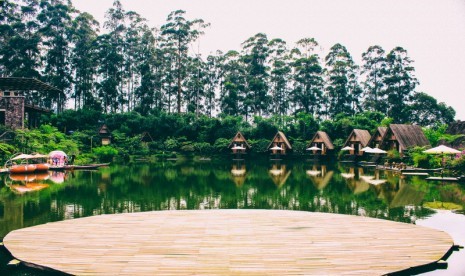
x=238, y=172
x=279, y=173
x=325, y=187
x=320, y=176
x=188, y=185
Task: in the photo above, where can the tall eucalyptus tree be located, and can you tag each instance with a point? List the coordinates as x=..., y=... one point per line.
x=232, y=84
x=83, y=61
x=255, y=54
x=307, y=92
x=342, y=91
x=136, y=27
x=400, y=84
x=111, y=59
x=213, y=77
x=280, y=74
x=178, y=33
x=374, y=72
x=195, y=85
x=55, y=29
x=148, y=95
x=19, y=39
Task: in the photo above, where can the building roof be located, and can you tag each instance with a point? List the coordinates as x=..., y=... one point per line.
x=239, y=137
x=407, y=135
x=326, y=140
x=362, y=135
x=104, y=130
x=25, y=84
x=280, y=134
x=381, y=131
x=146, y=137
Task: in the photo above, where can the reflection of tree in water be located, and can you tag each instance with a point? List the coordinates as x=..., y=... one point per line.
x=146, y=187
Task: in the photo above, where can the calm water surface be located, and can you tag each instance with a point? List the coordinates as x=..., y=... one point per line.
x=291, y=185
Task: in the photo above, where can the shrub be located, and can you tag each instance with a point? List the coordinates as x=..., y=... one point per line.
x=260, y=145
x=221, y=145
x=105, y=153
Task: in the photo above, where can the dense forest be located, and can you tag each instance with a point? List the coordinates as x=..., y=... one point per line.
x=124, y=65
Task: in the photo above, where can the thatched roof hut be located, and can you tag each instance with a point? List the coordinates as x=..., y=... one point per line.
x=401, y=137
x=281, y=141
x=357, y=139
x=239, y=141
x=375, y=141
x=146, y=137
x=322, y=141
x=105, y=133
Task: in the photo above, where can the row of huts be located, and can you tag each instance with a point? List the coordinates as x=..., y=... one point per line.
x=397, y=136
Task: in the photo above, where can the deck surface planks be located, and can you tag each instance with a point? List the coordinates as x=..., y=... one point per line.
x=228, y=242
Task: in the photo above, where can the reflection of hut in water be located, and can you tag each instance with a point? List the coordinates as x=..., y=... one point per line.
x=358, y=139
x=320, y=177
x=375, y=141
x=279, y=145
x=238, y=172
x=373, y=179
x=279, y=174
x=399, y=194
x=354, y=181
x=322, y=141
x=402, y=137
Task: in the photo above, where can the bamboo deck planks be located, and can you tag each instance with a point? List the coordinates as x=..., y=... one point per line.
x=228, y=242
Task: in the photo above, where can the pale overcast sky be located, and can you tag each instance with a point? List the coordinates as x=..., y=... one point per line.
x=433, y=32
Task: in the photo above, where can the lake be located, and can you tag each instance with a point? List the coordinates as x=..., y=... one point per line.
x=330, y=187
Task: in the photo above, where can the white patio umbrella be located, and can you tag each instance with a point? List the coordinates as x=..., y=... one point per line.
x=376, y=150
x=366, y=149
x=314, y=148
x=347, y=148
x=442, y=150
x=276, y=148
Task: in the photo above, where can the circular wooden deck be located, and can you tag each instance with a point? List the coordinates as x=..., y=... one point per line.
x=227, y=242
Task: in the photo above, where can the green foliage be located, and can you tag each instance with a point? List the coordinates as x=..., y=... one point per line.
x=299, y=146
x=203, y=147
x=171, y=144
x=459, y=165
x=6, y=150
x=221, y=145
x=264, y=128
x=421, y=159
x=44, y=140
x=259, y=145
x=434, y=134
x=393, y=155
x=105, y=153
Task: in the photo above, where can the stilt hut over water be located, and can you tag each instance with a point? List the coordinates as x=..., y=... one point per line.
x=322, y=141
x=375, y=141
x=402, y=137
x=358, y=139
x=279, y=141
x=239, y=142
